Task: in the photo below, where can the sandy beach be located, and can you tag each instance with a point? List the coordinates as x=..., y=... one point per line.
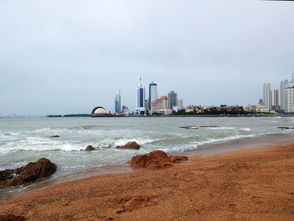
x=254, y=184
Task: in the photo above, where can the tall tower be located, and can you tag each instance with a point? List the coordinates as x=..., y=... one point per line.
x=289, y=96
x=283, y=86
x=140, y=95
x=153, y=93
x=172, y=99
x=118, y=102
x=267, y=95
x=276, y=98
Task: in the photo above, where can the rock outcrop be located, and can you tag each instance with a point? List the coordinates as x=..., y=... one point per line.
x=31, y=172
x=155, y=160
x=130, y=145
x=90, y=148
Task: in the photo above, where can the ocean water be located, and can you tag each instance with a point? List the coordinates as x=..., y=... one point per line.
x=26, y=140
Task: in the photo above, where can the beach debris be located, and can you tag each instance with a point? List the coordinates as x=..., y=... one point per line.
x=157, y=159
x=130, y=145
x=11, y=217
x=31, y=172
x=89, y=148
x=54, y=136
x=197, y=127
x=286, y=128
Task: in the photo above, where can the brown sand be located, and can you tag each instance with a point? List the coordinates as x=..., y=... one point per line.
x=256, y=184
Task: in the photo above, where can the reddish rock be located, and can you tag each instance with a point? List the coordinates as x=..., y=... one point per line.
x=90, y=148
x=130, y=145
x=10, y=217
x=177, y=159
x=31, y=172
x=154, y=160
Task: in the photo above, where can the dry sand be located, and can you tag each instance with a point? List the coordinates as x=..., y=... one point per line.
x=256, y=184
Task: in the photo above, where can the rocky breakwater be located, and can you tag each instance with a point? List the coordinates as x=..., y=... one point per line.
x=31, y=172
x=155, y=160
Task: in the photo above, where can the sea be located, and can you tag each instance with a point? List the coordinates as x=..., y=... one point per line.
x=26, y=140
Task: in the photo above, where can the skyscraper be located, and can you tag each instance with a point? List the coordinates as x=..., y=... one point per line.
x=153, y=93
x=283, y=86
x=289, y=94
x=276, y=98
x=140, y=95
x=172, y=99
x=267, y=95
x=118, y=103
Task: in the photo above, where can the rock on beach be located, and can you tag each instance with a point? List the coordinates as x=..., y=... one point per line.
x=31, y=172
x=155, y=160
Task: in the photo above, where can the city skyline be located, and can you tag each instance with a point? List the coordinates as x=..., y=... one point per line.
x=68, y=57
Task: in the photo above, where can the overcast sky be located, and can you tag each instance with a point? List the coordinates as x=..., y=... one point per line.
x=70, y=56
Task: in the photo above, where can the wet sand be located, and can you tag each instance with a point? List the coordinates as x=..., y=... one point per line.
x=251, y=184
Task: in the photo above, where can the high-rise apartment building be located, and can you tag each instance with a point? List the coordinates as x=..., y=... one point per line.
x=118, y=103
x=153, y=93
x=276, y=98
x=283, y=86
x=289, y=94
x=267, y=95
x=172, y=99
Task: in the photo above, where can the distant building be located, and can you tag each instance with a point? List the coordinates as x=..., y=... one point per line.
x=140, y=107
x=158, y=104
x=153, y=93
x=276, y=98
x=118, y=103
x=267, y=95
x=99, y=111
x=125, y=110
x=283, y=86
x=172, y=99
x=261, y=106
x=180, y=105
x=289, y=96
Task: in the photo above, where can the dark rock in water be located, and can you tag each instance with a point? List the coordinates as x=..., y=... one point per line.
x=155, y=160
x=177, y=159
x=195, y=127
x=31, y=172
x=10, y=217
x=189, y=127
x=210, y=126
x=54, y=136
x=90, y=148
x=130, y=145
x=286, y=128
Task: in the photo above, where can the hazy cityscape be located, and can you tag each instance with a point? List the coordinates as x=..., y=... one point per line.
x=149, y=102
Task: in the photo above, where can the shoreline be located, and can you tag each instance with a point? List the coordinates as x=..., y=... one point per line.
x=250, y=184
x=205, y=150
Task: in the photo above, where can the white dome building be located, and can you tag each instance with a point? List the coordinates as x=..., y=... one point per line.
x=99, y=111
